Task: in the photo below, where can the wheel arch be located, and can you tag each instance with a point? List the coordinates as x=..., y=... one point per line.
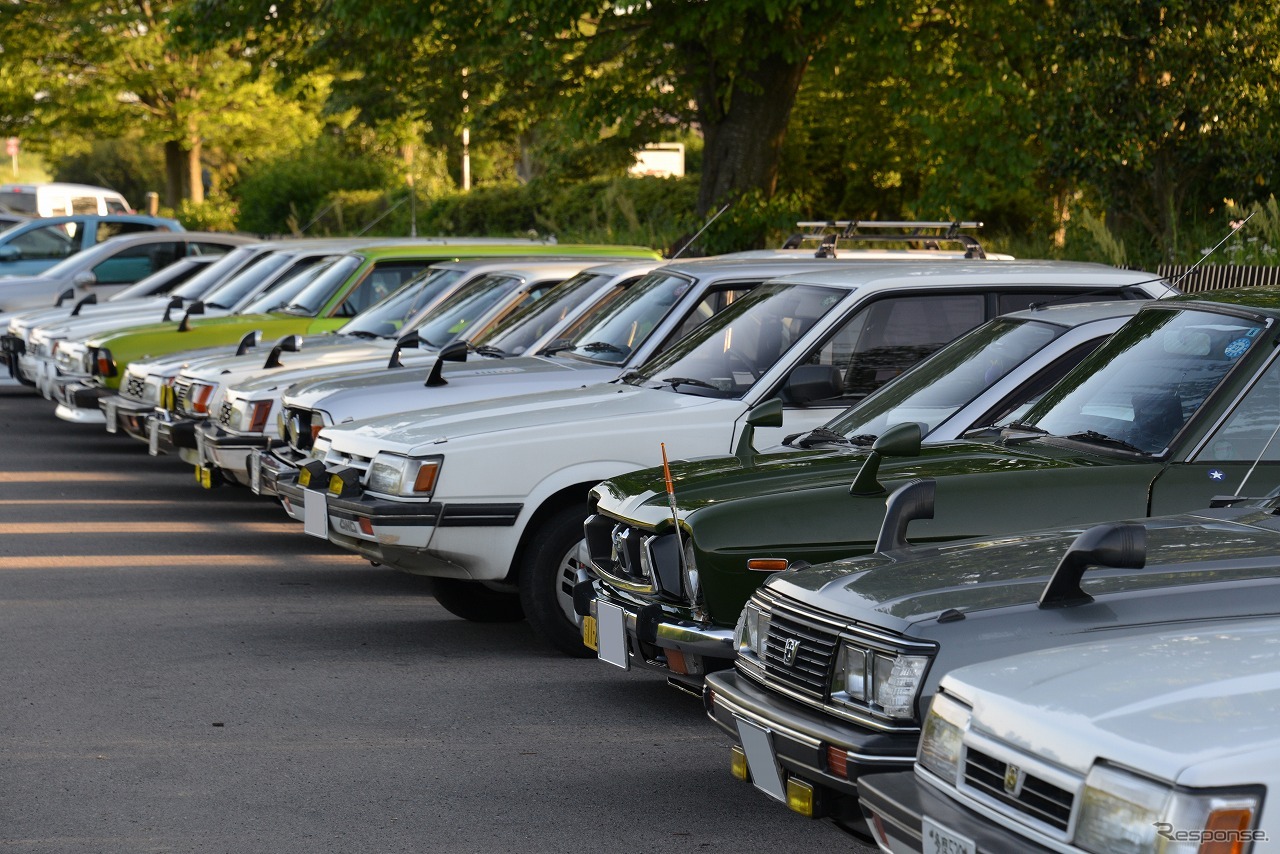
x=555, y=502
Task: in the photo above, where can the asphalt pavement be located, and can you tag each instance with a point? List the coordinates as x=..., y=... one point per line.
x=185, y=671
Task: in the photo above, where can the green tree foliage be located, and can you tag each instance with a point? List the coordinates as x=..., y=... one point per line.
x=79, y=70
x=1161, y=107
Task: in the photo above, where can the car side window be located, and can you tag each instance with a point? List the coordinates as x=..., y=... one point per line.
x=1250, y=431
x=114, y=228
x=890, y=335
x=198, y=248
x=1021, y=399
x=712, y=303
x=133, y=263
x=378, y=283
x=84, y=204
x=51, y=241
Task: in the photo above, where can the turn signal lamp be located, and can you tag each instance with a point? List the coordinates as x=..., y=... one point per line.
x=105, y=365
x=837, y=761
x=767, y=564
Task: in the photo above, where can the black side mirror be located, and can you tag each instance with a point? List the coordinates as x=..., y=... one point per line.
x=913, y=500
x=766, y=414
x=1123, y=546
x=814, y=382
x=454, y=351
x=287, y=344
x=249, y=341
x=902, y=440
x=409, y=339
x=195, y=308
x=91, y=299
x=69, y=293
x=175, y=302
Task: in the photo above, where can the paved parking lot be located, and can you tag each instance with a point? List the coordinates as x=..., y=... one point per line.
x=186, y=671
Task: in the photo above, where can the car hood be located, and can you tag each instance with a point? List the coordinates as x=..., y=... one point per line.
x=85, y=325
x=1163, y=702
x=357, y=394
x=535, y=416
x=45, y=316
x=917, y=584
x=324, y=353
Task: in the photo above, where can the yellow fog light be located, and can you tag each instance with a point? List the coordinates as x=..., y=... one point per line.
x=311, y=472
x=800, y=796
x=738, y=765
x=345, y=482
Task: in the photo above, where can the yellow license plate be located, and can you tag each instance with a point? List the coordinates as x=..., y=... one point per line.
x=204, y=476
x=590, y=634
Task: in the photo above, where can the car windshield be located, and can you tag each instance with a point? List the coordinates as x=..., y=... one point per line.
x=245, y=281
x=385, y=318
x=947, y=380
x=318, y=280
x=609, y=332
x=161, y=282
x=514, y=335
x=727, y=354
x=1137, y=390
x=197, y=284
x=458, y=312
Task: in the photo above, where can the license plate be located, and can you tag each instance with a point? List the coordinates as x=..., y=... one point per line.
x=109, y=410
x=204, y=476
x=937, y=839
x=613, y=635
x=153, y=437
x=757, y=744
x=255, y=473
x=315, y=513
x=590, y=636
x=201, y=454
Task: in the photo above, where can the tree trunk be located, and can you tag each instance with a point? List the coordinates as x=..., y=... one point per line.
x=195, y=177
x=175, y=165
x=743, y=130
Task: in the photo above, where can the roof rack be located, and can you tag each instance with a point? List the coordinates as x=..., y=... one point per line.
x=928, y=234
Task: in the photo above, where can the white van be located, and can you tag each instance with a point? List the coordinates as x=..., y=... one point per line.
x=61, y=199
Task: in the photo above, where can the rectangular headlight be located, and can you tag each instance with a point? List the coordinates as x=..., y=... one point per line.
x=1124, y=813
x=392, y=474
x=896, y=681
x=940, y=742
x=752, y=630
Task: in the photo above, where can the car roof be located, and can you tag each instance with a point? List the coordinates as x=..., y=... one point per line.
x=900, y=275
x=520, y=265
x=41, y=221
x=1079, y=313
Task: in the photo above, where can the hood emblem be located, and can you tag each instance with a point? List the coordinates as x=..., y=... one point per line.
x=1014, y=777
x=789, y=651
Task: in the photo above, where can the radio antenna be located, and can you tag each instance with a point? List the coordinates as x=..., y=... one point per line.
x=1235, y=227
x=690, y=241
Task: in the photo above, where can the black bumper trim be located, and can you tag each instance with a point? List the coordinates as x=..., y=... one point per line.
x=87, y=398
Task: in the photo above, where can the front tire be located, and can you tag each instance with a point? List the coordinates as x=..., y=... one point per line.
x=548, y=572
x=472, y=601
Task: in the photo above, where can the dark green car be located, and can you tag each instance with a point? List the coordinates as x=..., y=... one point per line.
x=1178, y=406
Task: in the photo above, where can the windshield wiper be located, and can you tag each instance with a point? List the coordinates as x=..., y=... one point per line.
x=293, y=308
x=603, y=347
x=1023, y=428
x=490, y=351
x=817, y=436
x=364, y=333
x=675, y=382
x=217, y=305
x=1104, y=439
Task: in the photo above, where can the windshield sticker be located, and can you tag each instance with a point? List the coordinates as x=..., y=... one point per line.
x=1253, y=333
x=1237, y=348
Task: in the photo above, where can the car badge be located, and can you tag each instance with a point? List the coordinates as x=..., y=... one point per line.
x=617, y=544
x=789, y=650
x=1014, y=777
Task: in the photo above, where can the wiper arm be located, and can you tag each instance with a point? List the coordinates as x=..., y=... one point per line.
x=604, y=347
x=817, y=436
x=1104, y=439
x=217, y=305
x=1024, y=428
x=490, y=351
x=675, y=382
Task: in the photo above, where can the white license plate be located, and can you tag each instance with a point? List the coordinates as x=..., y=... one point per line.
x=255, y=473
x=153, y=437
x=757, y=744
x=612, y=634
x=315, y=513
x=937, y=839
x=109, y=410
x=201, y=454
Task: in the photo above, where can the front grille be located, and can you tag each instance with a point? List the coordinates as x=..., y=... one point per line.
x=135, y=386
x=800, y=653
x=224, y=413
x=182, y=396
x=1037, y=799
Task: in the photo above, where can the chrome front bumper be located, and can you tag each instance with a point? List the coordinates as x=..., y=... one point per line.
x=658, y=640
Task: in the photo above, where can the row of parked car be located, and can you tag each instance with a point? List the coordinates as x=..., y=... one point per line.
x=709, y=469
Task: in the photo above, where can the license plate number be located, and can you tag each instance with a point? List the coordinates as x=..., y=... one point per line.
x=757, y=744
x=613, y=635
x=315, y=513
x=590, y=636
x=939, y=840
